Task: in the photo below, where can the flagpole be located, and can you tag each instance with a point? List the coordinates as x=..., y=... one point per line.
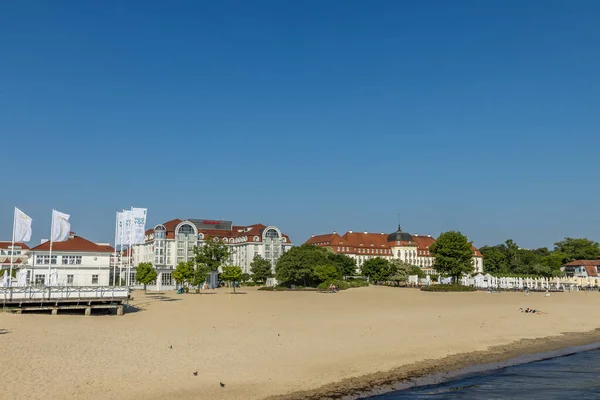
x=50, y=254
x=130, y=245
x=115, y=259
x=121, y=258
x=12, y=252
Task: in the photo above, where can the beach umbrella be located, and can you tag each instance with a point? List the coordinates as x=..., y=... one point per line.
x=22, y=277
x=5, y=279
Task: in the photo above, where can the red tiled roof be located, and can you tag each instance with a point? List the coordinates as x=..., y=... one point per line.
x=328, y=239
x=6, y=245
x=16, y=261
x=581, y=263
x=75, y=244
x=255, y=230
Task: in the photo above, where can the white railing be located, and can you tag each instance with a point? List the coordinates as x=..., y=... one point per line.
x=8, y=294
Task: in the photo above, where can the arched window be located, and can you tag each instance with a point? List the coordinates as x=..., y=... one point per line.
x=271, y=234
x=186, y=230
x=160, y=232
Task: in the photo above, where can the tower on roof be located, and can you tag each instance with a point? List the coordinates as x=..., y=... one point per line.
x=399, y=235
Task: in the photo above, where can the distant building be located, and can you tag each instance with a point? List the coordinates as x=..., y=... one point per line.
x=20, y=255
x=582, y=268
x=173, y=242
x=411, y=248
x=78, y=261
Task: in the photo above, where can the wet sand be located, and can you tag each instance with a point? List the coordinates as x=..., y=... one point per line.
x=285, y=345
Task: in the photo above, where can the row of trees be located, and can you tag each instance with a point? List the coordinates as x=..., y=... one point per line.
x=509, y=259
x=308, y=265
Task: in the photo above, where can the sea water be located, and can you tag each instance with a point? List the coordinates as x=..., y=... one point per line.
x=575, y=376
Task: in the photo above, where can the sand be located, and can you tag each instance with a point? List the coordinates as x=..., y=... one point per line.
x=282, y=344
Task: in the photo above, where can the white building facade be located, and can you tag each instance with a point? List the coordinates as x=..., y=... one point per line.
x=77, y=261
x=19, y=254
x=411, y=248
x=173, y=242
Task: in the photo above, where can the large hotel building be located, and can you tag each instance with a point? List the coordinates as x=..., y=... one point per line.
x=362, y=246
x=173, y=242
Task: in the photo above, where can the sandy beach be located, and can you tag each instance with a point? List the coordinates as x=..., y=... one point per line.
x=284, y=345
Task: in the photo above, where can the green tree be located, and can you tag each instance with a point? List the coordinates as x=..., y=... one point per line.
x=345, y=265
x=453, y=254
x=326, y=272
x=578, y=249
x=494, y=259
x=184, y=272
x=261, y=269
x=296, y=266
x=232, y=274
x=208, y=258
x=414, y=270
x=145, y=274
x=378, y=269
x=400, y=270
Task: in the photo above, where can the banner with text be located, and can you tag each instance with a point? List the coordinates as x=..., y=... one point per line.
x=124, y=228
x=139, y=225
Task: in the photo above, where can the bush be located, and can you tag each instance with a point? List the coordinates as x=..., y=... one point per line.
x=341, y=285
x=354, y=283
x=448, y=288
x=287, y=289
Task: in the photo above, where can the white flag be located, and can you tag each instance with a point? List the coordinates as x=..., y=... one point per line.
x=125, y=228
x=139, y=225
x=22, y=226
x=61, y=228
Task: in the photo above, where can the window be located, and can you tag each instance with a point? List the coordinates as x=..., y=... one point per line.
x=94, y=279
x=45, y=259
x=40, y=279
x=71, y=260
x=272, y=234
x=70, y=279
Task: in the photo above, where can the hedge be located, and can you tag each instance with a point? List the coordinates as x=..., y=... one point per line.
x=448, y=288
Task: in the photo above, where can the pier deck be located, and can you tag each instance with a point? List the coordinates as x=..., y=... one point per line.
x=54, y=299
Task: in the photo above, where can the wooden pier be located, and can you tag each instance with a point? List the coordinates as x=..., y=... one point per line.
x=57, y=298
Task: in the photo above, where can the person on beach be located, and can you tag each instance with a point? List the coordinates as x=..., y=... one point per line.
x=532, y=311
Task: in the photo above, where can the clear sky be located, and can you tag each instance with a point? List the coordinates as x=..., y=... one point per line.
x=315, y=116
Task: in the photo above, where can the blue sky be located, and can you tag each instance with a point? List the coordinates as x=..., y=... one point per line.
x=480, y=116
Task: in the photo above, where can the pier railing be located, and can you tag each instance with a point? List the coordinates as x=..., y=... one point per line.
x=57, y=293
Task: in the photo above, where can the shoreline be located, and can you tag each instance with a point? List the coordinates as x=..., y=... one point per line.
x=435, y=371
